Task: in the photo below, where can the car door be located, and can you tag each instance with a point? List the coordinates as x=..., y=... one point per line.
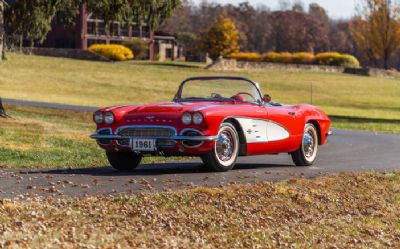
x=282, y=126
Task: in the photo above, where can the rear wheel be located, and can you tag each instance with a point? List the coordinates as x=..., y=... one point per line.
x=225, y=152
x=124, y=161
x=307, y=153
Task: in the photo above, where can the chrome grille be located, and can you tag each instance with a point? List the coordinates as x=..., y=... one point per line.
x=147, y=132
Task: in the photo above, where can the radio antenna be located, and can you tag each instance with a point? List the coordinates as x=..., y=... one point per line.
x=311, y=88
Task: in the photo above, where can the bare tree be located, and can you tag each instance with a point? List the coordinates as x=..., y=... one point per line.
x=376, y=30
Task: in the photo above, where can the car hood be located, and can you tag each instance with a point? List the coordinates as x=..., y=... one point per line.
x=178, y=107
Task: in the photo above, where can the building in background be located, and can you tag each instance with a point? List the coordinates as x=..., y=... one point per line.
x=92, y=30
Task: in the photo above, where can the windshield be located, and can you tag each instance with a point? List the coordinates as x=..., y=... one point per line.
x=219, y=89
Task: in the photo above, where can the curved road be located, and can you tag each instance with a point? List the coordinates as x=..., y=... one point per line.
x=347, y=151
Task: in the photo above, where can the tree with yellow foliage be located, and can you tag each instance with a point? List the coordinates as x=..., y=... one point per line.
x=220, y=38
x=376, y=31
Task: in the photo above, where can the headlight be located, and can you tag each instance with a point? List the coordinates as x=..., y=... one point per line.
x=186, y=118
x=98, y=117
x=197, y=118
x=109, y=117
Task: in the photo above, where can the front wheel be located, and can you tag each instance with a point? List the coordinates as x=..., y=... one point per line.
x=124, y=161
x=225, y=152
x=307, y=153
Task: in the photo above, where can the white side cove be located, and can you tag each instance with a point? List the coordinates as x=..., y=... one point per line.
x=262, y=131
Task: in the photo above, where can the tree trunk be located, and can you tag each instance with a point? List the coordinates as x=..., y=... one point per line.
x=3, y=113
x=2, y=30
x=386, y=59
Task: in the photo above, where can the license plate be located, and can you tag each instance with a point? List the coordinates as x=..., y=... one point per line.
x=143, y=144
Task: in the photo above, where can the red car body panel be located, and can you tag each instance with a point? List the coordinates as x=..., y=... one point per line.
x=289, y=118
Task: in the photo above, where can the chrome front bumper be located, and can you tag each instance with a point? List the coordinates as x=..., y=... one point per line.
x=177, y=138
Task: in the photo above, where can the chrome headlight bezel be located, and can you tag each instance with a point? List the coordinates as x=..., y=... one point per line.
x=98, y=117
x=109, y=118
x=186, y=118
x=197, y=118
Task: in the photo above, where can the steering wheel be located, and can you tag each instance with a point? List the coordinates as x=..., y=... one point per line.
x=245, y=93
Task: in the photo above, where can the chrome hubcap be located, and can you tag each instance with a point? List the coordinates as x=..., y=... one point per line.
x=225, y=146
x=309, y=144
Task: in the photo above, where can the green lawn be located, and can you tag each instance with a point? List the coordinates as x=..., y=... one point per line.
x=103, y=84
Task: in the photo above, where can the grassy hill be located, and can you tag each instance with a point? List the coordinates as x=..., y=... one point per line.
x=103, y=84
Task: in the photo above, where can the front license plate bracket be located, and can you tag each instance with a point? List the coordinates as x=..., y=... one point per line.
x=143, y=144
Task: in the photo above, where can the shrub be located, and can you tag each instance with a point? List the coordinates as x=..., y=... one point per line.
x=330, y=59
x=336, y=59
x=245, y=56
x=139, y=48
x=303, y=58
x=271, y=57
x=112, y=52
x=274, y=57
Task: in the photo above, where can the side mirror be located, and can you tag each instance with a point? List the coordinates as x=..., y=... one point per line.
x=267, y=98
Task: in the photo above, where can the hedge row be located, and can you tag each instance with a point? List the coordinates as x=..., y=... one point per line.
x=112, y=51
x=330, y=59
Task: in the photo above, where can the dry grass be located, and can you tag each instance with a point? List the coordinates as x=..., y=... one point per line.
x=340, y=211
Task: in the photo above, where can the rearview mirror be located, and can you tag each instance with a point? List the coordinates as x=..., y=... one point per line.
x=267, y=98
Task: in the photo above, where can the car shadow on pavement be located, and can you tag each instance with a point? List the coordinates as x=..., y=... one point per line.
x=152, y=169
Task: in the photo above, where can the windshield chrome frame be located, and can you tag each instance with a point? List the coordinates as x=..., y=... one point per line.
x=255, y=84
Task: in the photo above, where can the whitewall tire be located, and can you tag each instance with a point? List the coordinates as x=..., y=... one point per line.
x=226, y=150
x=307, y=153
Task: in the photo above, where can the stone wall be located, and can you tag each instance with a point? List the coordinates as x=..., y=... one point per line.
x=241, y=66
x=79, y=54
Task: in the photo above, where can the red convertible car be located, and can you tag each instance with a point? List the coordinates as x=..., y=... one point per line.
x=215, y=118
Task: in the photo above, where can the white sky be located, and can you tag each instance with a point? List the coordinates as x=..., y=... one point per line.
x=335, y=8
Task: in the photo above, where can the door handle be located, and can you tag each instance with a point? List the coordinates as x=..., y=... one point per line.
x=292, y=113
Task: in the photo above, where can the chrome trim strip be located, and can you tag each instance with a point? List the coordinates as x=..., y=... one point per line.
x=175, y=137
x=195, y=130
x=255, y=84
x=180, y=138
x=104, y=129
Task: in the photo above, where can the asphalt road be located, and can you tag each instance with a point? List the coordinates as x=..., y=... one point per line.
x=347, y=151
x=49, y=105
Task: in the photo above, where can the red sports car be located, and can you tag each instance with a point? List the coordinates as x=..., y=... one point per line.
x=215, y=118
